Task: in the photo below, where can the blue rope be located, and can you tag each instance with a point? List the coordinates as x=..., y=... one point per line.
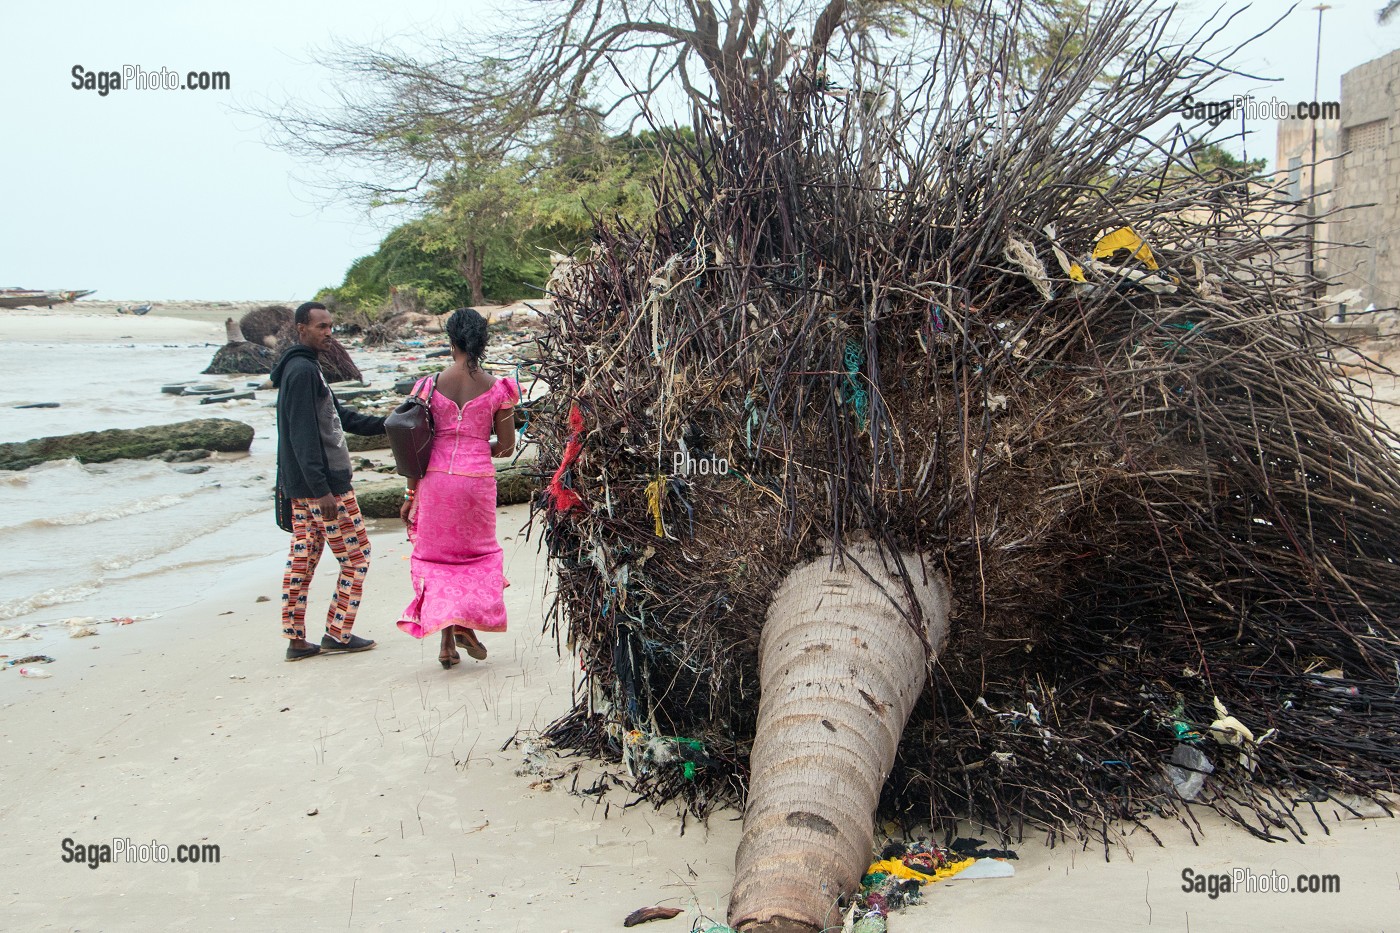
x=852, y=393
x=752, y=421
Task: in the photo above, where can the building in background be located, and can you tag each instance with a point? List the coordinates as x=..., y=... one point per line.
x=1294, y=178
x=1365, y=188
x=1294, y=164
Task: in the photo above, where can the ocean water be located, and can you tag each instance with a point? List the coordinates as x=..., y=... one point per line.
x=131, y=537
x=101, y=386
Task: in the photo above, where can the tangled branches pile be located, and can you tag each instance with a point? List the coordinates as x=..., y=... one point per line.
x=1158, y=500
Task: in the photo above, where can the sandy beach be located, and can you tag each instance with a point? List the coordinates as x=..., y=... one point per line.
x=190, y=729
x=92, y=321
x=379, y=791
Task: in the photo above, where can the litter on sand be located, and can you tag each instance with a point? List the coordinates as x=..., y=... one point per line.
x=646, y=914
x=77, y=622
x=896, y=878
x=988, y=868
x=30, y=659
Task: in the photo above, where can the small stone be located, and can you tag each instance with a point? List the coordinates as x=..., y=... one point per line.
x=313, y=811
x=184, y=456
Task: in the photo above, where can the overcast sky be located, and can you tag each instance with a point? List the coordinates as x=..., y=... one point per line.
x=174, y=194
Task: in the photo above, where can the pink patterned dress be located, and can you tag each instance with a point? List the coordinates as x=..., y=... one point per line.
x=457, y=563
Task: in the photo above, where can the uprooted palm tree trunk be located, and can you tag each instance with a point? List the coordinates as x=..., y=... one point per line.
x=1007, y=329
x=842, y=658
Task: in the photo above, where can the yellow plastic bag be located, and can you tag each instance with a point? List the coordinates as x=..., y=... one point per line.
x=1125, y=238
x=893, y=866
x=656, y=491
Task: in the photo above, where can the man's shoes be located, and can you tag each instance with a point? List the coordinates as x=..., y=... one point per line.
x=356, y=643
x=297, y=654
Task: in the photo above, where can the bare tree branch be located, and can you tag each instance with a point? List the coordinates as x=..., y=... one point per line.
x=580, y=63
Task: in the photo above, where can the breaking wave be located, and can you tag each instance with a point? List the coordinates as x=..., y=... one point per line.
x=135, y=507
x=55, y=596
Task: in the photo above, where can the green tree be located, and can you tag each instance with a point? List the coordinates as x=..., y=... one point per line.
x=477, y=216
x=500, y=139
x=400, y=261
x=488, y=236
x=566, y=67
x=598, y=176
x=1211, y=156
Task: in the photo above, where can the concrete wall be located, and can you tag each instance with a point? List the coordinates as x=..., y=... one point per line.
x=1369, y=173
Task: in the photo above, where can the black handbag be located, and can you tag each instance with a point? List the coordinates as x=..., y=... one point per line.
x=410, y=431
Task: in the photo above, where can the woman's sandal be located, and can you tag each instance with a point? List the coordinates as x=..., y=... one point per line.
x=448, y=660
x=472, y=645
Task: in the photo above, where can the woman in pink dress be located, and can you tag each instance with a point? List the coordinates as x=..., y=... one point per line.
x=458, y=583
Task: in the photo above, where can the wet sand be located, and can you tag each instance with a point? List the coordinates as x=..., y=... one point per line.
x=98, y=322
x=377, y=790
x=191, y=729
x=170, y=319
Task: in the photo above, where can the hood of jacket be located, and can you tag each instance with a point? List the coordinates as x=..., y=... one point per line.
x=293, y=352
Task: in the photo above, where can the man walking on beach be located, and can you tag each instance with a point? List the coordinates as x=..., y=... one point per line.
x=313, y=470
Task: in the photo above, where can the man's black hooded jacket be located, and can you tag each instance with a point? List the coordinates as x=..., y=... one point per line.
x=312, y=458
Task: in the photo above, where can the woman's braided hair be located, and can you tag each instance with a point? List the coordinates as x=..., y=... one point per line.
x=466, y=328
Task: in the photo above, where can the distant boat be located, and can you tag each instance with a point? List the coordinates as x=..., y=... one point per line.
x=33, y=298
x=139, y=309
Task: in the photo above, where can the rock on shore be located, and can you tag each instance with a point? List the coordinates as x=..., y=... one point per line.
x=218, y=434
x=244, y=358
x=358, y=443
x=382, y=499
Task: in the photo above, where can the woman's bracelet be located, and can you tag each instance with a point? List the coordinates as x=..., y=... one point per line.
x=408, y=495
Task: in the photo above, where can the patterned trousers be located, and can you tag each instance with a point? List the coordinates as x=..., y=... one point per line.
x=349, y=542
